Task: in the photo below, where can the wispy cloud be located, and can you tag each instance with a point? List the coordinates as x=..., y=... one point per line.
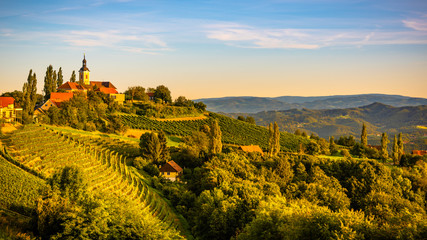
x=416, y=24
x=250, y=37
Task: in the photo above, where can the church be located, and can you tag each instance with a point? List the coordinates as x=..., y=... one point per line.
x=66, y=91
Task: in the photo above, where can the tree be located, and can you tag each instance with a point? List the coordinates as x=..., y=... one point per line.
x=136, y=93
x=60, y=79
x=400, y=146
x=332, y=146
x=364, y=136
x=384, y=142
x=200, y=106
x=270, y=139
x=29, y=92
x=298, y=132
x=215, y=138
x=49, y=82
x=73, y=76
x=163, y=93
x=276, y=138
x=182, y=101
x=250, y=120
x=240, y=118
x=153, y=147
x=395, y=155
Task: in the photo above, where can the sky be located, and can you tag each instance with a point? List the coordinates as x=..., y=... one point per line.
x=218, y=48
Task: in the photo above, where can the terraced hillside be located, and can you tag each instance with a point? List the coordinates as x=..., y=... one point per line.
x=19, y=189
x=45, y=150
x=233, y=131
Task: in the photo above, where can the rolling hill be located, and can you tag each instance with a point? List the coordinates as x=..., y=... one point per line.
x=258, y=104
x=336, y=122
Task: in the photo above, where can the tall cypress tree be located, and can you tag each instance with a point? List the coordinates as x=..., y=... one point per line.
x=364, y=136
x=73, y=76
x=395, y=151
x=60, y=79
x=270, y=139
x=29, y=92
x=48, y=82
x=400, y=146
x=276, y=134
x=215, y=138
x=384, y=143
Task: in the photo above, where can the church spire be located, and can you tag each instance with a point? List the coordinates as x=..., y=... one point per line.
x=84, y=73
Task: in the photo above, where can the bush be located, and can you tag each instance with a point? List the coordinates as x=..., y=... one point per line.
x=140, y=163
x=151, y=169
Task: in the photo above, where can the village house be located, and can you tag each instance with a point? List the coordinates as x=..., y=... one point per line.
x=8, y=112
x=251, y=148
x=419, y=152
x=56, y=98
x=171, y=171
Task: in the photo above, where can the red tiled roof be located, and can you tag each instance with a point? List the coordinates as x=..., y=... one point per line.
x=6, y=101
x=419, y=152
x=60, y=97
x=101, y=84
x=251, y=148
x=171, y=166
x=150, y=94
x=71, y=86
x=107, y=90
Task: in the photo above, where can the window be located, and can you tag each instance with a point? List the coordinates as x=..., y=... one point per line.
x=169, y=173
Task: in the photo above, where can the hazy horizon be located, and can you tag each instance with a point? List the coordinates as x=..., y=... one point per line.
x=212, y=49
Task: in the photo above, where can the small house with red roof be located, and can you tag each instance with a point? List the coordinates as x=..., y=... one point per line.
x=171, y=171
x=56, y=99
x=8, y=112
x=419, y=152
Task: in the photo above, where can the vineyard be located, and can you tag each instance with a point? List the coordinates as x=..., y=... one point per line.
x=20, y=189
x=233, y=131
x=45, y=150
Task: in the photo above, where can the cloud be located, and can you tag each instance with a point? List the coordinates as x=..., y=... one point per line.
x=290, y=38
x=416, y=24
x=260, y=38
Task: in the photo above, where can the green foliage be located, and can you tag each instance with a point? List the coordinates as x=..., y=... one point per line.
x=384, y=144
x=163, y=93
x=29, y=94
x=136, y=93
x=153, y=147
x=49, y=82
x=364, y=136
x=19, y=189
x=346, y=141
x=151, y=169
x=215, y=140
x=73, y=76
x=277, y=218
x=60, y=78
x=396, y=151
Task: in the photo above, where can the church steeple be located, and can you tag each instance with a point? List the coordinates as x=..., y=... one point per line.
x=84, y=72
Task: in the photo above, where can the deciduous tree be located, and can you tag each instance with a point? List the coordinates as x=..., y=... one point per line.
x=215, y=138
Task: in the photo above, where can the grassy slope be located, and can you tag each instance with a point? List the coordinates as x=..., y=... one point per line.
x=234, y=132
x=19, y=189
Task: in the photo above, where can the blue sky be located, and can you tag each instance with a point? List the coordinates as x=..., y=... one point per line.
x=222, y=48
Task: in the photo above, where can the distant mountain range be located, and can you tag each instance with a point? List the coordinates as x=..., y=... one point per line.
x=258, y=104
x=379, y=118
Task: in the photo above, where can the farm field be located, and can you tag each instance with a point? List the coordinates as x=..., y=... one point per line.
x=45, y=150
x=234, y=132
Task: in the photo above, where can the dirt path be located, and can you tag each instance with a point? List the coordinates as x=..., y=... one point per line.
x=180, y=119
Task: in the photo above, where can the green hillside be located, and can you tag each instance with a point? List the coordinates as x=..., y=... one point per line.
x=19, y=189
x=45, y=151
x=378, y=117
x=233, y=131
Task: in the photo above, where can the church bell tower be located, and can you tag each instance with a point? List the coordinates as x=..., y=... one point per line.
x=84, y=73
